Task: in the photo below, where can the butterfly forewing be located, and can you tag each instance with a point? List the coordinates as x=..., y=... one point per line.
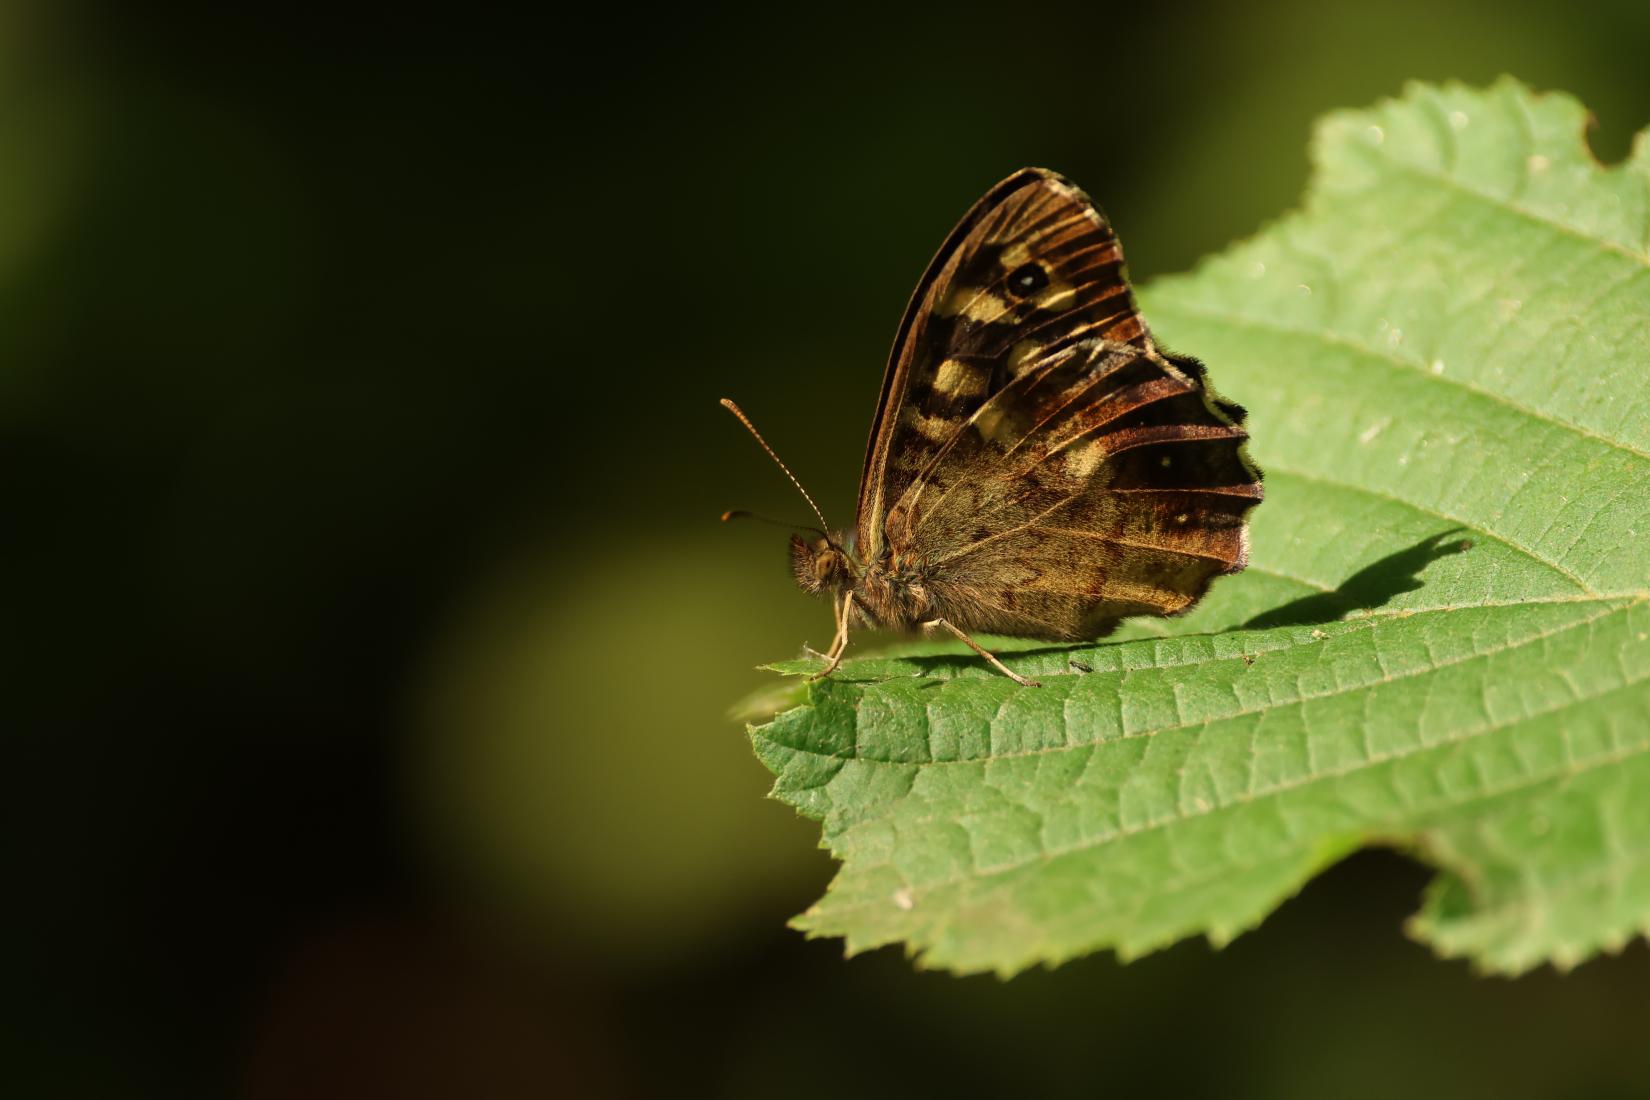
x=1031, y=268
x=1036, y=460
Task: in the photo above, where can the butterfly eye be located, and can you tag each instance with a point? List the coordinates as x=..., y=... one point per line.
x=1027, y=279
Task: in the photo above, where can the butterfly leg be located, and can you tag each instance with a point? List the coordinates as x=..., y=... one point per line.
x=836, y=611
x=981, y=650
x=839, y=645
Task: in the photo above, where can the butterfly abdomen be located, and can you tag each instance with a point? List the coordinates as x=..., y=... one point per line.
x=1105, y=483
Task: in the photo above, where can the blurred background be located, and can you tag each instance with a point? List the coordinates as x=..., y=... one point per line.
x=373, y=635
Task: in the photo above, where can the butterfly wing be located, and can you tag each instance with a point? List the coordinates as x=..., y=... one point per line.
x=1107, y=482
x=1032, y=267
x=1075, y=475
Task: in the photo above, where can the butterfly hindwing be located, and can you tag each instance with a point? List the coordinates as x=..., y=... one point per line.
x=1038, y=462
x=1115, y=490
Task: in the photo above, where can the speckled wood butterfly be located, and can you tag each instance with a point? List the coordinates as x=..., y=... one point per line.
x=1038, y=466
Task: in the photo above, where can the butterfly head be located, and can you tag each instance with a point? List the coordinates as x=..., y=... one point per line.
x=821, y=564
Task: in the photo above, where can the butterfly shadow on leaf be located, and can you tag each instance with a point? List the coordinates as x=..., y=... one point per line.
x=1369, y=588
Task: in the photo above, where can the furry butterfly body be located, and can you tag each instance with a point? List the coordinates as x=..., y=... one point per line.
x=1037, y=466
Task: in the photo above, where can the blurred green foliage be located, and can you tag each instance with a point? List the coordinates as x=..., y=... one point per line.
x=633, y=826
x=372, y=629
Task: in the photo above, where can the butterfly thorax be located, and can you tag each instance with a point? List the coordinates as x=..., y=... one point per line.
x=893, y=598
x=884, y=595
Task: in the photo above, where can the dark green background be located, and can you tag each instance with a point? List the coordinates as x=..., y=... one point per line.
x=372, y=633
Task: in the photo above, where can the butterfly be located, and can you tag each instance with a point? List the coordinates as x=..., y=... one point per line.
x=1038, y=466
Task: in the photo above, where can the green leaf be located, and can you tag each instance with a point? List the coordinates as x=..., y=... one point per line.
x=1440, y=644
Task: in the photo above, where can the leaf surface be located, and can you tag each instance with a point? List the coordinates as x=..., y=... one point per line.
x=1442, y=642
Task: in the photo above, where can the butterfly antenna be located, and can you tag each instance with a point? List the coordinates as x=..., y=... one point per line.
x=739, y=513
x=746, y=421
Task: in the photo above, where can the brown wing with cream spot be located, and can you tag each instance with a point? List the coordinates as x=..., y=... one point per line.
x=1032, y=269
x=1106, y=481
